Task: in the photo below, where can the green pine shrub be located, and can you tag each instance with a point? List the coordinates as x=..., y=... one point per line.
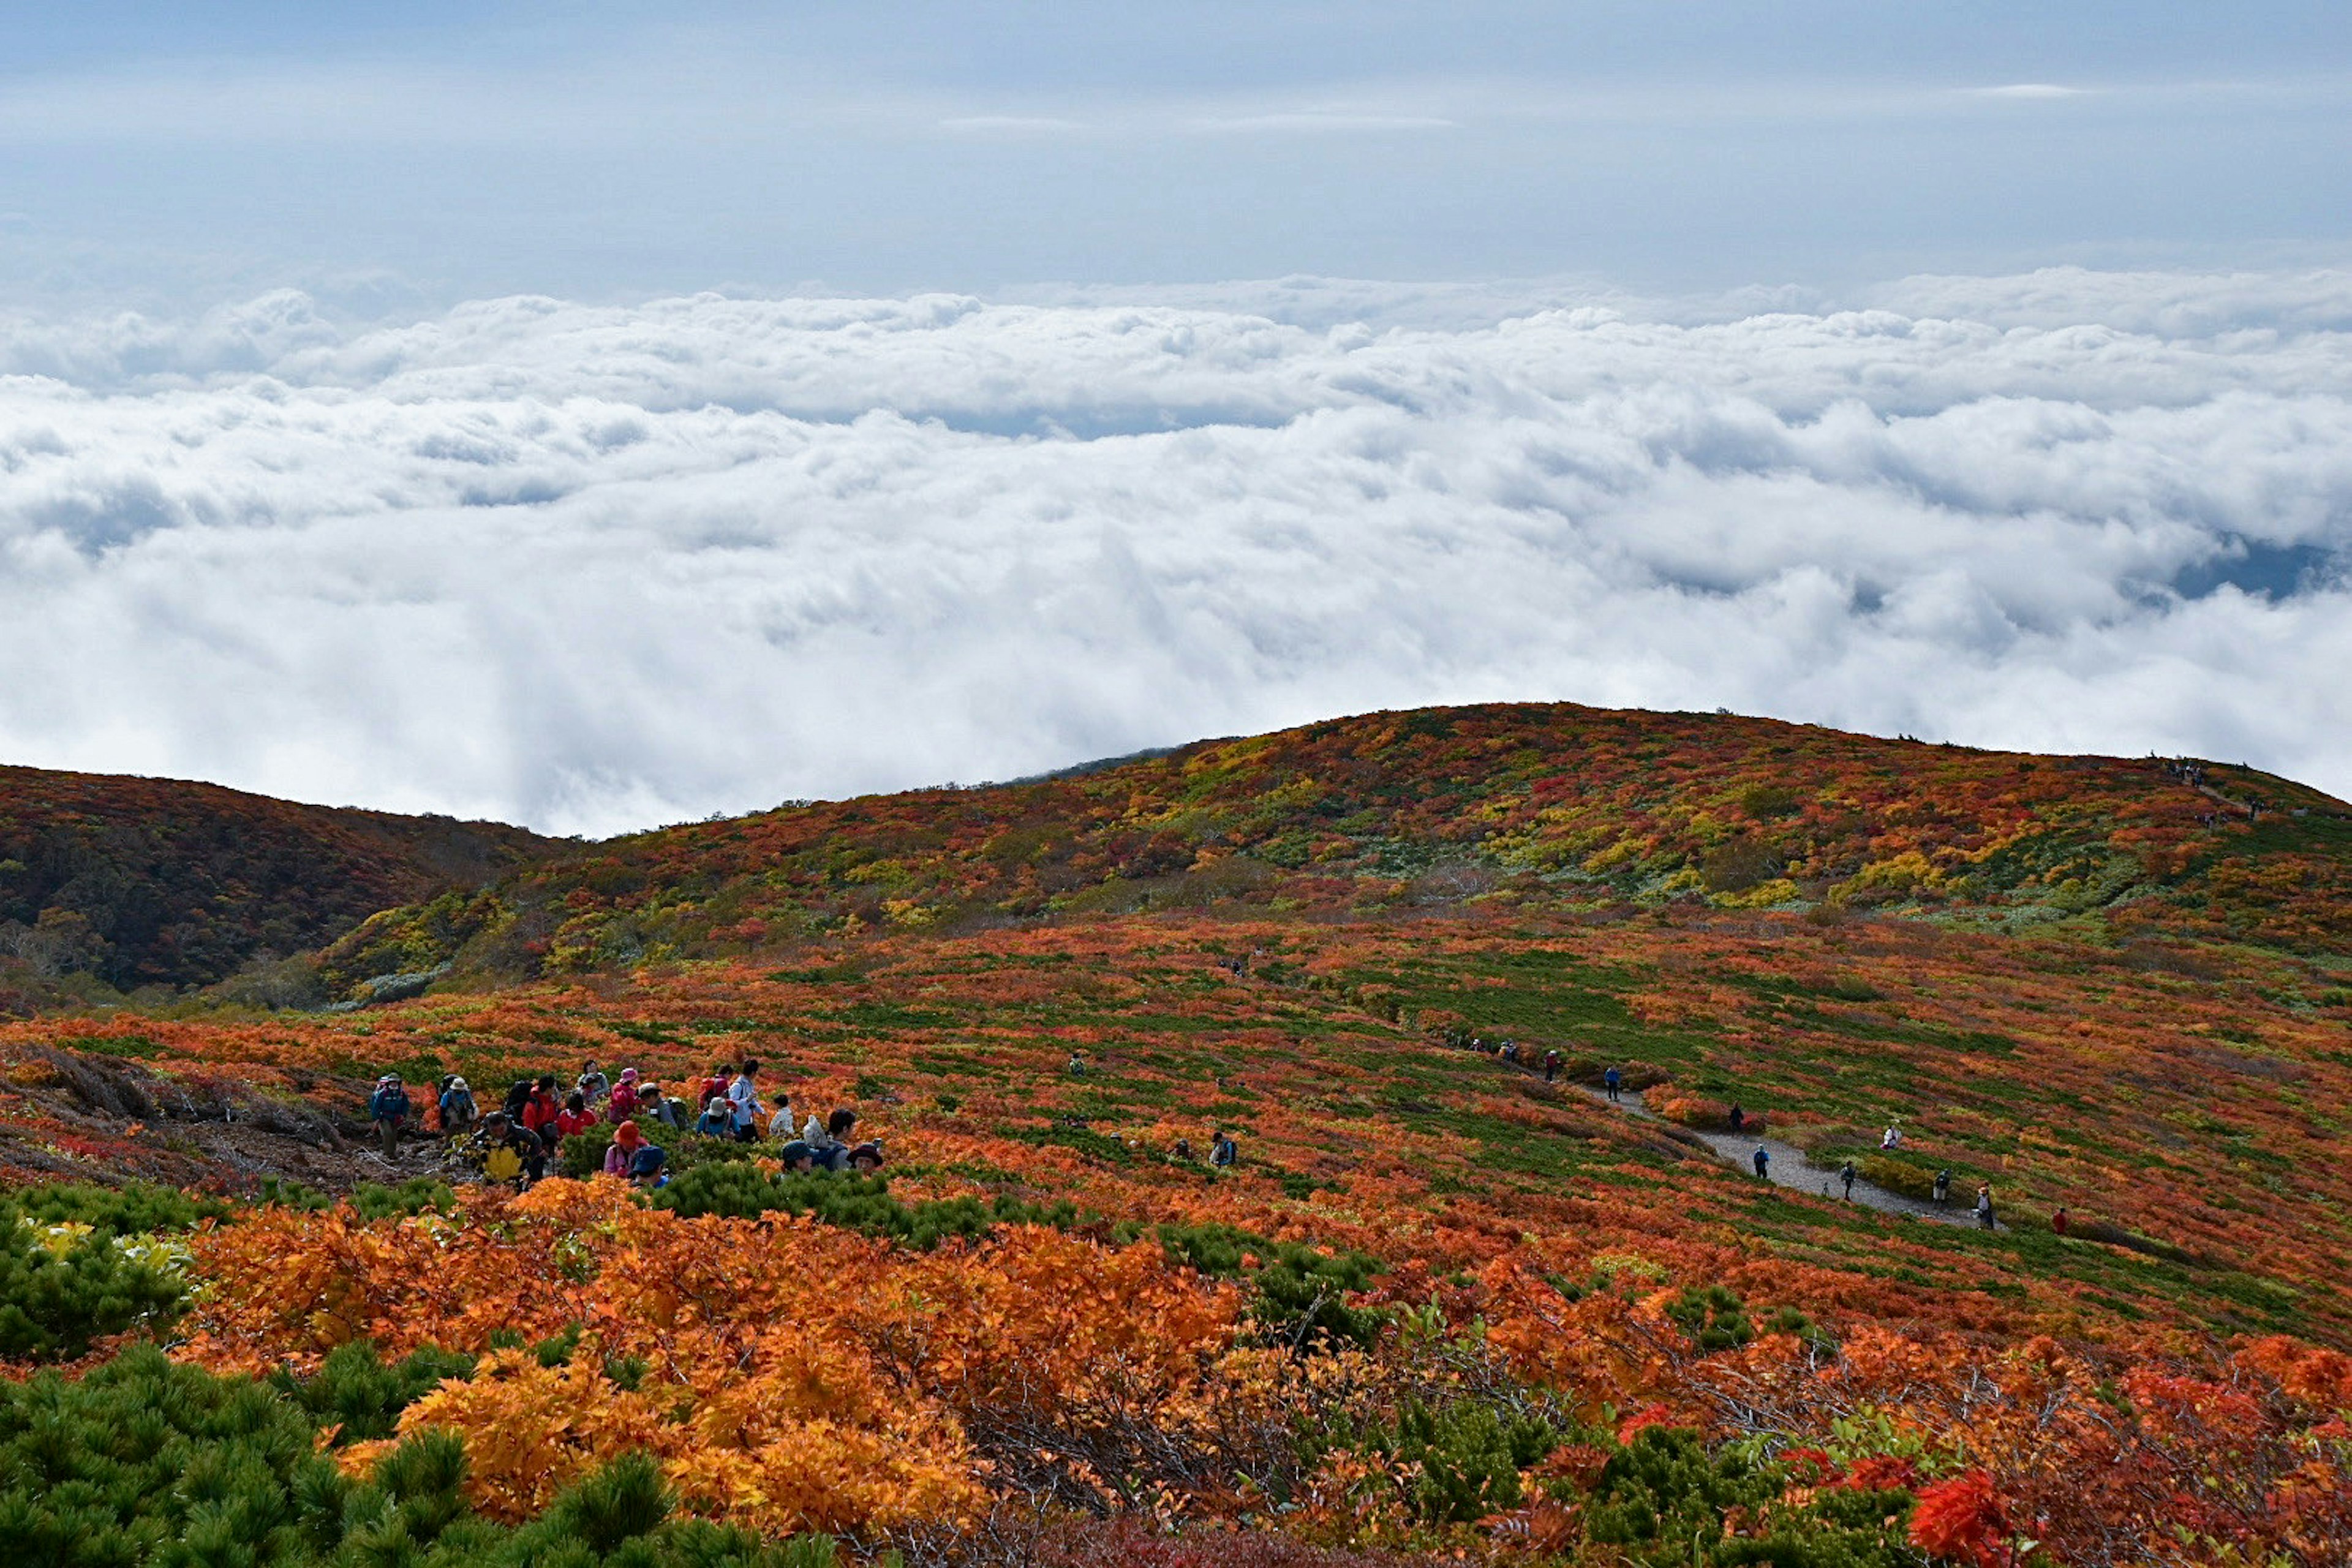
x=55, y=1299
x=357, y=1390
x=135, y=1208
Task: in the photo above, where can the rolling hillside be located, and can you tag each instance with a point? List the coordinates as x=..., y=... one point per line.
x=1534, y=806
x=1442, y=1306
x=162, y=882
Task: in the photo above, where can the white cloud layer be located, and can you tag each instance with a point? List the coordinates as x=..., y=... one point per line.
x=591, y=568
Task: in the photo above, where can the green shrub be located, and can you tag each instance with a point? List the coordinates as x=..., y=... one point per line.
x=1298, y=1288
x=858, y=1203
x=135, y=1208
x=1713, y=1316
x=1661, y=1498
x=1470, y=1454
x=55, y=1299
x=355, y=1388
x=145, y=1464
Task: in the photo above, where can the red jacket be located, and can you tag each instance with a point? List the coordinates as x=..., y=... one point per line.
x=540, y=1110
x=568, y=1123
x=625, y=1102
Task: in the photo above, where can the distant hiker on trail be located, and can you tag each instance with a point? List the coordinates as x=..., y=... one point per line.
x=1984, y=1205
x=458, y=1110
x=626, y=1140
x=1551, y=1067
x=744, y=1102
x=388, y=1109
x=1943, y=1189
x=1183, y=1152
x=1077, y=1065
x=1763, y=1159
x=1511, y=1052
x=1612, y=1080
x=1892, y=1138
x=2058, y=1220
x=1223, y=1151
x=1738, y=1117
x=714, y=1121
x=1846, y=1174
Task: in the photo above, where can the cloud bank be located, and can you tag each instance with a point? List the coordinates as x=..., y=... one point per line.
x=596, y=567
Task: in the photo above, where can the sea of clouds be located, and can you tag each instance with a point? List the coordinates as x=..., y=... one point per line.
x=594, y=567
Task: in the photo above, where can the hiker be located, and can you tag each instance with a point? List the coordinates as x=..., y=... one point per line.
x=798, y=1156
x=866, y=1158
x=1182, y=1153
x=743, y=1101
x=1943, y=1189
x=1738, y=1117
x=1763, y=1163
x=592, y=1083
x=1223, y=1151
x=828, y=1140
x=458, y=1110
x=714, y=1086
x=1846, y=1174
x=519, y=1095
x=627, y=1139
x=647, y=1167
x=514, y=1154
x=1984, y=1205
x=539, y=1106
x=1511, y=1052
x=780, y=1125
x=651, y=1103
x=1611, y=1080
x=388, y=1109
x=1892, y=1138
x=714, y=1122
x=1077, y=1065
x=2058, y=1220
x=1551, y=1067
x=575, y=1118
x=623, y=1106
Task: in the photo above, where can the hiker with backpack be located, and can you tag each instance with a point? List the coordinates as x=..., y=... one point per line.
x=714, y=1122
x=1943, y=1189
x=1552, y=1065
x=743, y=1104
x=1224, y=1152
x=539, y=1106
x=623, y=1102
x=591, y=1084
x=828, y=1140
x=1611, y=1080
x=1738, y=1117
x=1846, y=1174
x=388, y=1109
x=1762, y=1160
x=458, y=1110
x=1984, y=1205
x=714, y=1084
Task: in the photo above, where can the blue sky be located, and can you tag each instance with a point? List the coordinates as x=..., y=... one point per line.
x=391, y=156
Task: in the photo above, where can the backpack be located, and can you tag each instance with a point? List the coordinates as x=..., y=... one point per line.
x=520, y=1096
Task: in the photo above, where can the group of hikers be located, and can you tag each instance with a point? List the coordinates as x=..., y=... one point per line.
x=516, y=1140
x=1612, y=1088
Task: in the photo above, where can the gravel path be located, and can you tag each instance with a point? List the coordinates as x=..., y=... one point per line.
x=1787, y=1167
